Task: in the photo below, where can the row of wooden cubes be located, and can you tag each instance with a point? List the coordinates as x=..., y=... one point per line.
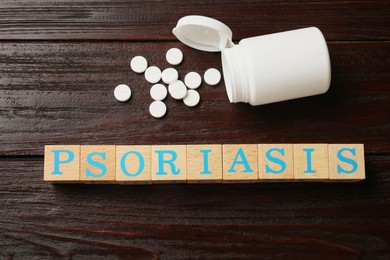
x=207, y=163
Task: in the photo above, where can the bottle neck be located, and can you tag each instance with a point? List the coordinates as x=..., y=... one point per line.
x=235, y=74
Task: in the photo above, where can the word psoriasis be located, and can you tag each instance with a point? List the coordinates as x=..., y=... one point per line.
x=206, y=163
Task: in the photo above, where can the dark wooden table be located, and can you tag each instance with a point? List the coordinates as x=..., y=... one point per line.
x=59, y=64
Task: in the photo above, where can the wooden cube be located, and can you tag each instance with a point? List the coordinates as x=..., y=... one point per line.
x=133, y=164
x=169, y=163
x=276, y=162
x=346, y=162
x=311, y=162
x=97, y=164
x=204, y=163
x=240, y=163
x=62, y=163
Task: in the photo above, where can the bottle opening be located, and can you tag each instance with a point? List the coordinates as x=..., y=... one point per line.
x=226, y=70
x=234, y=74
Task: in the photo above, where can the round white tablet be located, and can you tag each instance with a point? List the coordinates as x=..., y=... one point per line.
x=138, y=64
x=153, y=74
x=192, y=98
x=158, y=92
x=174, y=56
x=169, y=75
x=177, y=89
x=122, y=92
x=192, y=80
x=157, y=109
x=212, y=76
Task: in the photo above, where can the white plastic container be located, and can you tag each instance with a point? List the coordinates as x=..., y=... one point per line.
x=263, y=69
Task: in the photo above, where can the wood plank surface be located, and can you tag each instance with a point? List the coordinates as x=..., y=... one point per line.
x=154, y=20
x=59, y=64
x=62, y=93
x=251, y=221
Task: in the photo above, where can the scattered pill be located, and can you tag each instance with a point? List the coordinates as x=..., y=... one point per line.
x=192, y=98
x=122, y=92
x=153, y=74
x=174, y=56
x=169, y=75
x=177, y=90
x=138, y=64
x=158, y=92
x=157, y=109
x=212, y=76
x=192, y=80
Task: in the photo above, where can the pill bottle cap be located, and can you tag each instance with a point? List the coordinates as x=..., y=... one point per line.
x=203, y=33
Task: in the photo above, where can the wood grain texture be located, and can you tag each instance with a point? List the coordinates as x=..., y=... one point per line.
x=38, y=220
x=62, y=93
x=59, y=64
x=154, y=20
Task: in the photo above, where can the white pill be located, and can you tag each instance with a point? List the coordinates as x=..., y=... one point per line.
x=122, y=92
x=212, y=76
x=174, y=56
x=153, y=74
x=169, y=75
x=157, y=109
x=193, y=80
x=138, y=64
x=177, y=89
x=192, y=98
x=158, y=92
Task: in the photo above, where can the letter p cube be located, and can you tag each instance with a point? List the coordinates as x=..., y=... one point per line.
x=62, y=163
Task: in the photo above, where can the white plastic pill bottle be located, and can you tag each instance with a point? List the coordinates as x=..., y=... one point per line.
x=263, y=69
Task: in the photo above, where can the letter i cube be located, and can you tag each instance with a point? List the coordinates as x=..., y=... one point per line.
x=204, y=163
x=311, y=162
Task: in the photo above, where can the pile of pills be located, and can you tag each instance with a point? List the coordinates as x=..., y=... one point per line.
x=177, y=89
